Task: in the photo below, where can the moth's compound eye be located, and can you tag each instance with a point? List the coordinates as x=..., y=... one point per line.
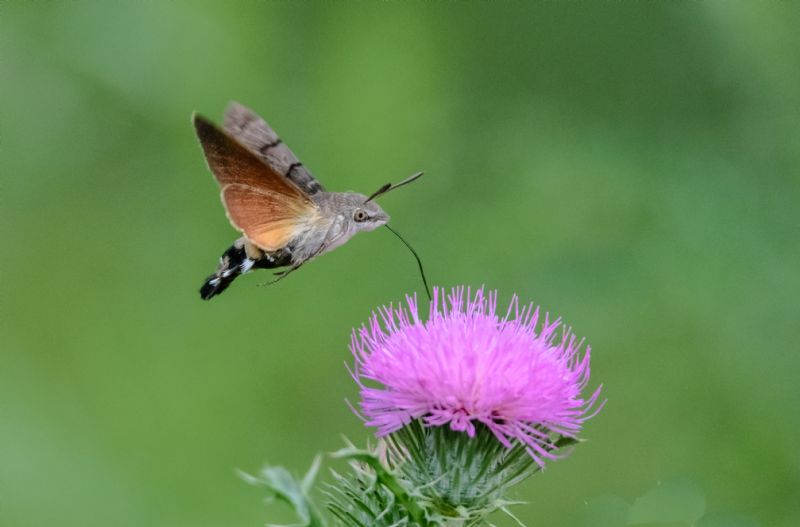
x=360, y=215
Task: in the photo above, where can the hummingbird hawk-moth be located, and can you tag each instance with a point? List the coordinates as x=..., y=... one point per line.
x=284, y=214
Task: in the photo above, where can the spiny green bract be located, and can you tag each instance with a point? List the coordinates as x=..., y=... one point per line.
x=454, y=475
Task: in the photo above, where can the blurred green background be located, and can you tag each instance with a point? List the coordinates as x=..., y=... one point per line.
x=631, y=167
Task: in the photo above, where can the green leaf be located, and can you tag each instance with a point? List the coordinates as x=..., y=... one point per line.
x=285, y=487
x=308, y=480
x=676, y=501
x=603, y=511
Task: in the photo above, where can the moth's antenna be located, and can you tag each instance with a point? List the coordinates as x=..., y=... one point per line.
x=419, y=262
x=388, y=186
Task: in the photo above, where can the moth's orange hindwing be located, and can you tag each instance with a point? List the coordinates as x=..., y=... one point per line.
x=268, y=219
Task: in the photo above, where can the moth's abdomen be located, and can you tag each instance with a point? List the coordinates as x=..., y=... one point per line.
x=236, y=261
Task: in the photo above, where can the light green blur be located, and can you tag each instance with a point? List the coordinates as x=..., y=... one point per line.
x=632, y=167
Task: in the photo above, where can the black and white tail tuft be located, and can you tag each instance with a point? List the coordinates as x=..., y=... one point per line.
x=233, y=263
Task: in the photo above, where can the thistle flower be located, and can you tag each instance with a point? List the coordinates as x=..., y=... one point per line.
x=467, y=367
x=468, y=404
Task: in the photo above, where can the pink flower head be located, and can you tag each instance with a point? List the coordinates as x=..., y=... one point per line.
x=466, y=365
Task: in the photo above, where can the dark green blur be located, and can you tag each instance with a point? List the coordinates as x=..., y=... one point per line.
x=634, y=168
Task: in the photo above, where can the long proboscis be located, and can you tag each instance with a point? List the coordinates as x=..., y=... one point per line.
x=389, y=186
x=419, y=262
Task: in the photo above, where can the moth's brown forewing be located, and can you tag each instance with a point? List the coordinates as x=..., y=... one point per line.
x=256, y=135
x=265, y=206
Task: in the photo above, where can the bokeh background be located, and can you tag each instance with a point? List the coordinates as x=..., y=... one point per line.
x=632, y=167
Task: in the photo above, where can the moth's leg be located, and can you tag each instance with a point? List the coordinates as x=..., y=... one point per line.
x=283, y=274
x=280, y=275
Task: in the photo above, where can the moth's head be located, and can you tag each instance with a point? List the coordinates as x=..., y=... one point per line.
x=365, y=215
x=368, y=215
